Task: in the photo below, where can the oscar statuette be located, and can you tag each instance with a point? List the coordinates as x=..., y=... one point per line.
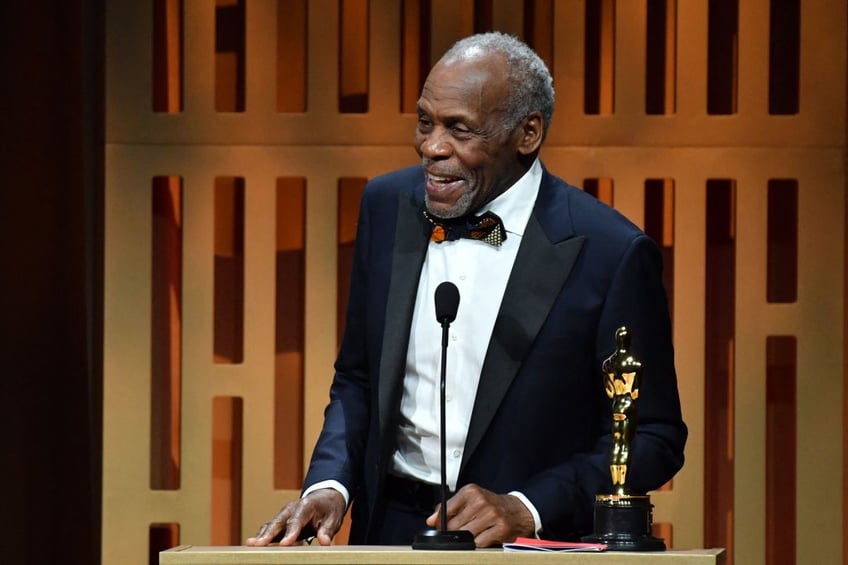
x=622, y=518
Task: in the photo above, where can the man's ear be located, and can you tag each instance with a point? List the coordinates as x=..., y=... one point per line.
x=532, y=133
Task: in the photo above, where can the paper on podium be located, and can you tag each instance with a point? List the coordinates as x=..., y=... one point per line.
x=533, y=544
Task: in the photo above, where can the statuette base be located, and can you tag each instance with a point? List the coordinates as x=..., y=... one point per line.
x=623, y=523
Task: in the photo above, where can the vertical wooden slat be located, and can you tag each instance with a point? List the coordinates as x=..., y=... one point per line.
x=508, y=16
x=659, y=225
x=670, y=57
x=599, y=57
x=385, y=37
x=225, y=515
x=784, y=56
x=845, y=379
x=353, y=57
x=782, y=267
x=200, y=59
x=483, y=16
x=291, y=55
x=289, y=339
x=229, y=270
x=692, y=84
x=781, y=444
x=719, y=357
x=230, y=61
x=723, y=57
x=450, y=21
x=628, y=60
x=167, y=56
x=752, y=81
x=415, y=55
x=350, y=192
x=661, y=63
x=162, y=536
x=606, y=95
x=539, y=29
x=166, y=333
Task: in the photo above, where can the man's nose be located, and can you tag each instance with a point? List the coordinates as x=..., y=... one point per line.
x=435, y=145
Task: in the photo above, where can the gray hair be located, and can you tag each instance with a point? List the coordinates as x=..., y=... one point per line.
x=531, y=82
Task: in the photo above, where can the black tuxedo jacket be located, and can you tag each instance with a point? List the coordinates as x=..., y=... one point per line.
x=541, y=420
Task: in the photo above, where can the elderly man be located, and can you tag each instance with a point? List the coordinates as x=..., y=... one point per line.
x=546, y=274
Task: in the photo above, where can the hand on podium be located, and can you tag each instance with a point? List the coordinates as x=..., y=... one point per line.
x=320, y=512
x=492, y=518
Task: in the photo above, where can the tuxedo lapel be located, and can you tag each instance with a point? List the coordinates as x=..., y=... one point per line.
x=538, y=275
x=407, y=259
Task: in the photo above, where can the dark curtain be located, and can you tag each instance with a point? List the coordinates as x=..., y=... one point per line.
x=51, y=191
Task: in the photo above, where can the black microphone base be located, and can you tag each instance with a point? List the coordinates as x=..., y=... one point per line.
x=457, y=540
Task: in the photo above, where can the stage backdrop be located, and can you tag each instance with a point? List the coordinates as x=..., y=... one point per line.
x=240, y=134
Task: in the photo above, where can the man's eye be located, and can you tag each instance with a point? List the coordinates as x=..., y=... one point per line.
x=460, y=129
x=424, y=123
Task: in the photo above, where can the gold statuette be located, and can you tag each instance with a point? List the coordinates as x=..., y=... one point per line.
x=623, y=518
x=623, y=376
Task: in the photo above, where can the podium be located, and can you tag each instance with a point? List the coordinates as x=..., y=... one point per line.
x=404, y=555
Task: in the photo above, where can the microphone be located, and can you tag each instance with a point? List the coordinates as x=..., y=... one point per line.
x=447, y=304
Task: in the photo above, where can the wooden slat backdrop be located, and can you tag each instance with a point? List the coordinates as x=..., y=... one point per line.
x=321, y=146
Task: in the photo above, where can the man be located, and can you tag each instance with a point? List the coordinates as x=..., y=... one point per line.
x=528, y=418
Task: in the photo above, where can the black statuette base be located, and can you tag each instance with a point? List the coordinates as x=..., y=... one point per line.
x=623, y=523
x=458, y=540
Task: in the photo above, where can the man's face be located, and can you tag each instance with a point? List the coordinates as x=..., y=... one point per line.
x=468, y=155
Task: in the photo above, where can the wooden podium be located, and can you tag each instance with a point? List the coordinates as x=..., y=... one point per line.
x=403, y=555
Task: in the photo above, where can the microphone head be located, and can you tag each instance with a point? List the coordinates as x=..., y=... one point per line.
x=447, y=302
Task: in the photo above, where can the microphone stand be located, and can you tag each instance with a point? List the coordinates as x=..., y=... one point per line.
x=443, y=538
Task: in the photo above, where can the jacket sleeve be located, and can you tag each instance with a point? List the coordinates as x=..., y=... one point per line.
x=564, y=493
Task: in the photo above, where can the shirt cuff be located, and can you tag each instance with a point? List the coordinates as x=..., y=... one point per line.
x=526, y=502
x=335, y=485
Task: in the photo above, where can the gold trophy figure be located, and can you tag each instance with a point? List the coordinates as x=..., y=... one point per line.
x=623, y=375
x=622, y=518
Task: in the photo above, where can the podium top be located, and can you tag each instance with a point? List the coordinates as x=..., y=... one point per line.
x=404, y=555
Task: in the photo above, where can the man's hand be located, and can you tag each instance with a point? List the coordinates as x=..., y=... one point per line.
x=322, y=509
x=492, y=518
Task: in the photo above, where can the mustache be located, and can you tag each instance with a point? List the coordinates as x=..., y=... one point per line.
x=438, y=169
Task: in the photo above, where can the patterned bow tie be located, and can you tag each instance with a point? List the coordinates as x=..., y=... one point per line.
x=487, y=228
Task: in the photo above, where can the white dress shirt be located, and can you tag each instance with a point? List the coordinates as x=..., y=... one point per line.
x=480, y=272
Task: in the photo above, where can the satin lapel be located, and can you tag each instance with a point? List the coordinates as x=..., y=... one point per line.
x=537, y=278
x=407, y=259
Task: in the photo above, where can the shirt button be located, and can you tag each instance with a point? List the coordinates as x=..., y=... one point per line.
x=453, y=337
x=448, y=397
x=463, y=277
x=457, y=452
